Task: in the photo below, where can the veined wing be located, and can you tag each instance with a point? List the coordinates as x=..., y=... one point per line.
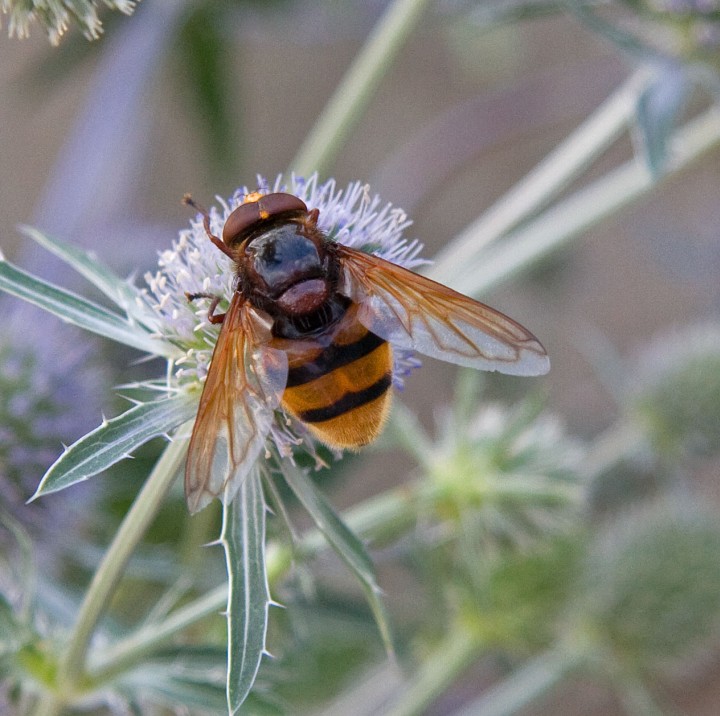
x=244, y=385
x=414, y=312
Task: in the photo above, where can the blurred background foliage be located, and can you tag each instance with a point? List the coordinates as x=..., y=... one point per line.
x=545, y=547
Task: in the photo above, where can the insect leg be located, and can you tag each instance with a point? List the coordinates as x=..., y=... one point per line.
x=189, y=201
x=212, y=316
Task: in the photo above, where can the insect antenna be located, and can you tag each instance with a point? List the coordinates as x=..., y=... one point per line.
x=189, y=201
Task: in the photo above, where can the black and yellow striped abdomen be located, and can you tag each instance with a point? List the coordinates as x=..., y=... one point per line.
x=342, y=391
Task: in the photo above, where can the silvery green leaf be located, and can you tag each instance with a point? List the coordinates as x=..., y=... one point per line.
x=347, y=545
x=87, y=265
x=115, y=439
x=657, y=110
x=75, y=309
x=243, y=537
x=161, y=682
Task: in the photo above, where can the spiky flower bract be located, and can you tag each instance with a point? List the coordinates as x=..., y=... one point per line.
x=506, y=475
x=350, y=216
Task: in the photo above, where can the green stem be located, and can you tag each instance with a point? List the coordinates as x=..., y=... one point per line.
x=452, y=656
x=109, y=573
x=377, y=518
x=390, y=510
x=198, y=530
x=394, y=510
x=548, y=178
x=524, y=686
x=345, y=107
x=567, y=220
x=128, y=651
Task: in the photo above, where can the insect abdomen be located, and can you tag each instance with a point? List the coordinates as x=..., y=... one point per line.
x=343, y=393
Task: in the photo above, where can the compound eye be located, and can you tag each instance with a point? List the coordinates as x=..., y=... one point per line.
x=238, y=222
x=256, y=210
x=273, y=204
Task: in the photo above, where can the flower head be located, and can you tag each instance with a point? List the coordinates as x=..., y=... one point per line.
x=56, y=17
x=513, y=472
x=350, y=216
x=498, y=478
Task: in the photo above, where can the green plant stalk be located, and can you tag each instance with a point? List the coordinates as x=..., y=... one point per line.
x=558, y=226
x=110, y=570
x=393, y=511
x=198, y=530
x=548, y=178
x=525, y=685
x=351, y=96
x=129, y=651
x=394, y=508
x=449, y=659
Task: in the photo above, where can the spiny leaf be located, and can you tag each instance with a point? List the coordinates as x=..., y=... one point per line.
x=111, y=285
x=115, y=439
x=243, y=537
x=347, y=545
x=77, y=310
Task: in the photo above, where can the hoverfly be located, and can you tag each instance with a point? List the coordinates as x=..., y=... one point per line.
x=310, y=327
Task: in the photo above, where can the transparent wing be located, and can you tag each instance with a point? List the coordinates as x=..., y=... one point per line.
x=244, y=385
x=414, y=312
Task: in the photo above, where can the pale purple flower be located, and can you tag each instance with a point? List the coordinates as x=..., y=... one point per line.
x=351, y=216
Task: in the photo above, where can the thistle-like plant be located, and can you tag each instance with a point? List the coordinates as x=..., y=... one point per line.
x=57, y=667
x=158, y=319
x=675, y=392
